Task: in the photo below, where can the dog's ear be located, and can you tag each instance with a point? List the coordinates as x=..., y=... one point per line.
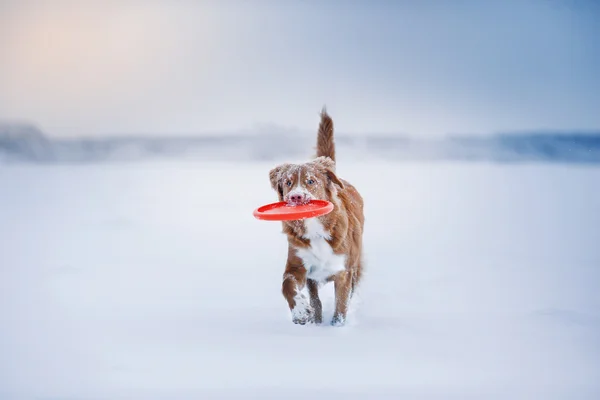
x=328, y=166
x=275, y=178
x=333, y=178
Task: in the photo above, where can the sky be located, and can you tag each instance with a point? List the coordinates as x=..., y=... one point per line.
x=189, y=67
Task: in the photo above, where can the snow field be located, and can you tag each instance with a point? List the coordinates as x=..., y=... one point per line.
x=154, y=281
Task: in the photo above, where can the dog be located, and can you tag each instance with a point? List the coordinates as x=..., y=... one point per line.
x=320, y=249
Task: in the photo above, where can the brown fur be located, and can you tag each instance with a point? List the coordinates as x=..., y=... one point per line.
x=325, y=143
x=318, y=180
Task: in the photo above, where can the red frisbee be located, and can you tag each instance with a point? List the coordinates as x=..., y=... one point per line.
x=281, y=211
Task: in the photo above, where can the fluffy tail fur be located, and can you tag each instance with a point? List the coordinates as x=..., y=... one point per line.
x=325, y=143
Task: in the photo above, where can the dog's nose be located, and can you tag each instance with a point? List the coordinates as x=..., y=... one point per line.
x=297, y=198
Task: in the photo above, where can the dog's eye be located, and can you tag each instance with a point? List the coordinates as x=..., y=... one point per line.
x=310, y=181
x=289, y=183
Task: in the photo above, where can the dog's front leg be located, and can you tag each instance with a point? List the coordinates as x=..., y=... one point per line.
x=315, y=302
x=294, y=280
x=343, y=286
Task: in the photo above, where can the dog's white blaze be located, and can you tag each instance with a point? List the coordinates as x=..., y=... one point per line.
x=299, y=188
x=319, y=259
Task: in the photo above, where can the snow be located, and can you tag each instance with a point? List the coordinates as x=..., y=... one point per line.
x=154, y=281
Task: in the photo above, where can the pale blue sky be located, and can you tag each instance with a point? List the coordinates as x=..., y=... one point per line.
x=419, y=67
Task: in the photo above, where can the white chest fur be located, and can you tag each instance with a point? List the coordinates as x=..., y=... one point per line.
x=319, y=259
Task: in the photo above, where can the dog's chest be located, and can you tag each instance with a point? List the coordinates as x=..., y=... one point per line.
x=319, y=259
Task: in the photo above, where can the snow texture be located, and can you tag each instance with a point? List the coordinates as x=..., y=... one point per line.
x=154, y=281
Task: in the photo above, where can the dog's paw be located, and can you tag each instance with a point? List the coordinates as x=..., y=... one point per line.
x=303, y=320
x=338, y=320
x=302, y=313
x=317, y=319
x=302, y=317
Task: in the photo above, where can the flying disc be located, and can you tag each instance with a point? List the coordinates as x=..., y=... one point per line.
x=282, y=211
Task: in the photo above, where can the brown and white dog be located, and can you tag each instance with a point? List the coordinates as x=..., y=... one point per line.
x=320, y=249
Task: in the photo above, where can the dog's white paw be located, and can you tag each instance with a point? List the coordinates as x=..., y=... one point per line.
x=302, y=312
x=338, y=320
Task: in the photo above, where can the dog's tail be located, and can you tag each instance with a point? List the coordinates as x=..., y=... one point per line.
x=325, y=143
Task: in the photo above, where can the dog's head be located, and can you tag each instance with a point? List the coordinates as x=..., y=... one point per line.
x=297, y=184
